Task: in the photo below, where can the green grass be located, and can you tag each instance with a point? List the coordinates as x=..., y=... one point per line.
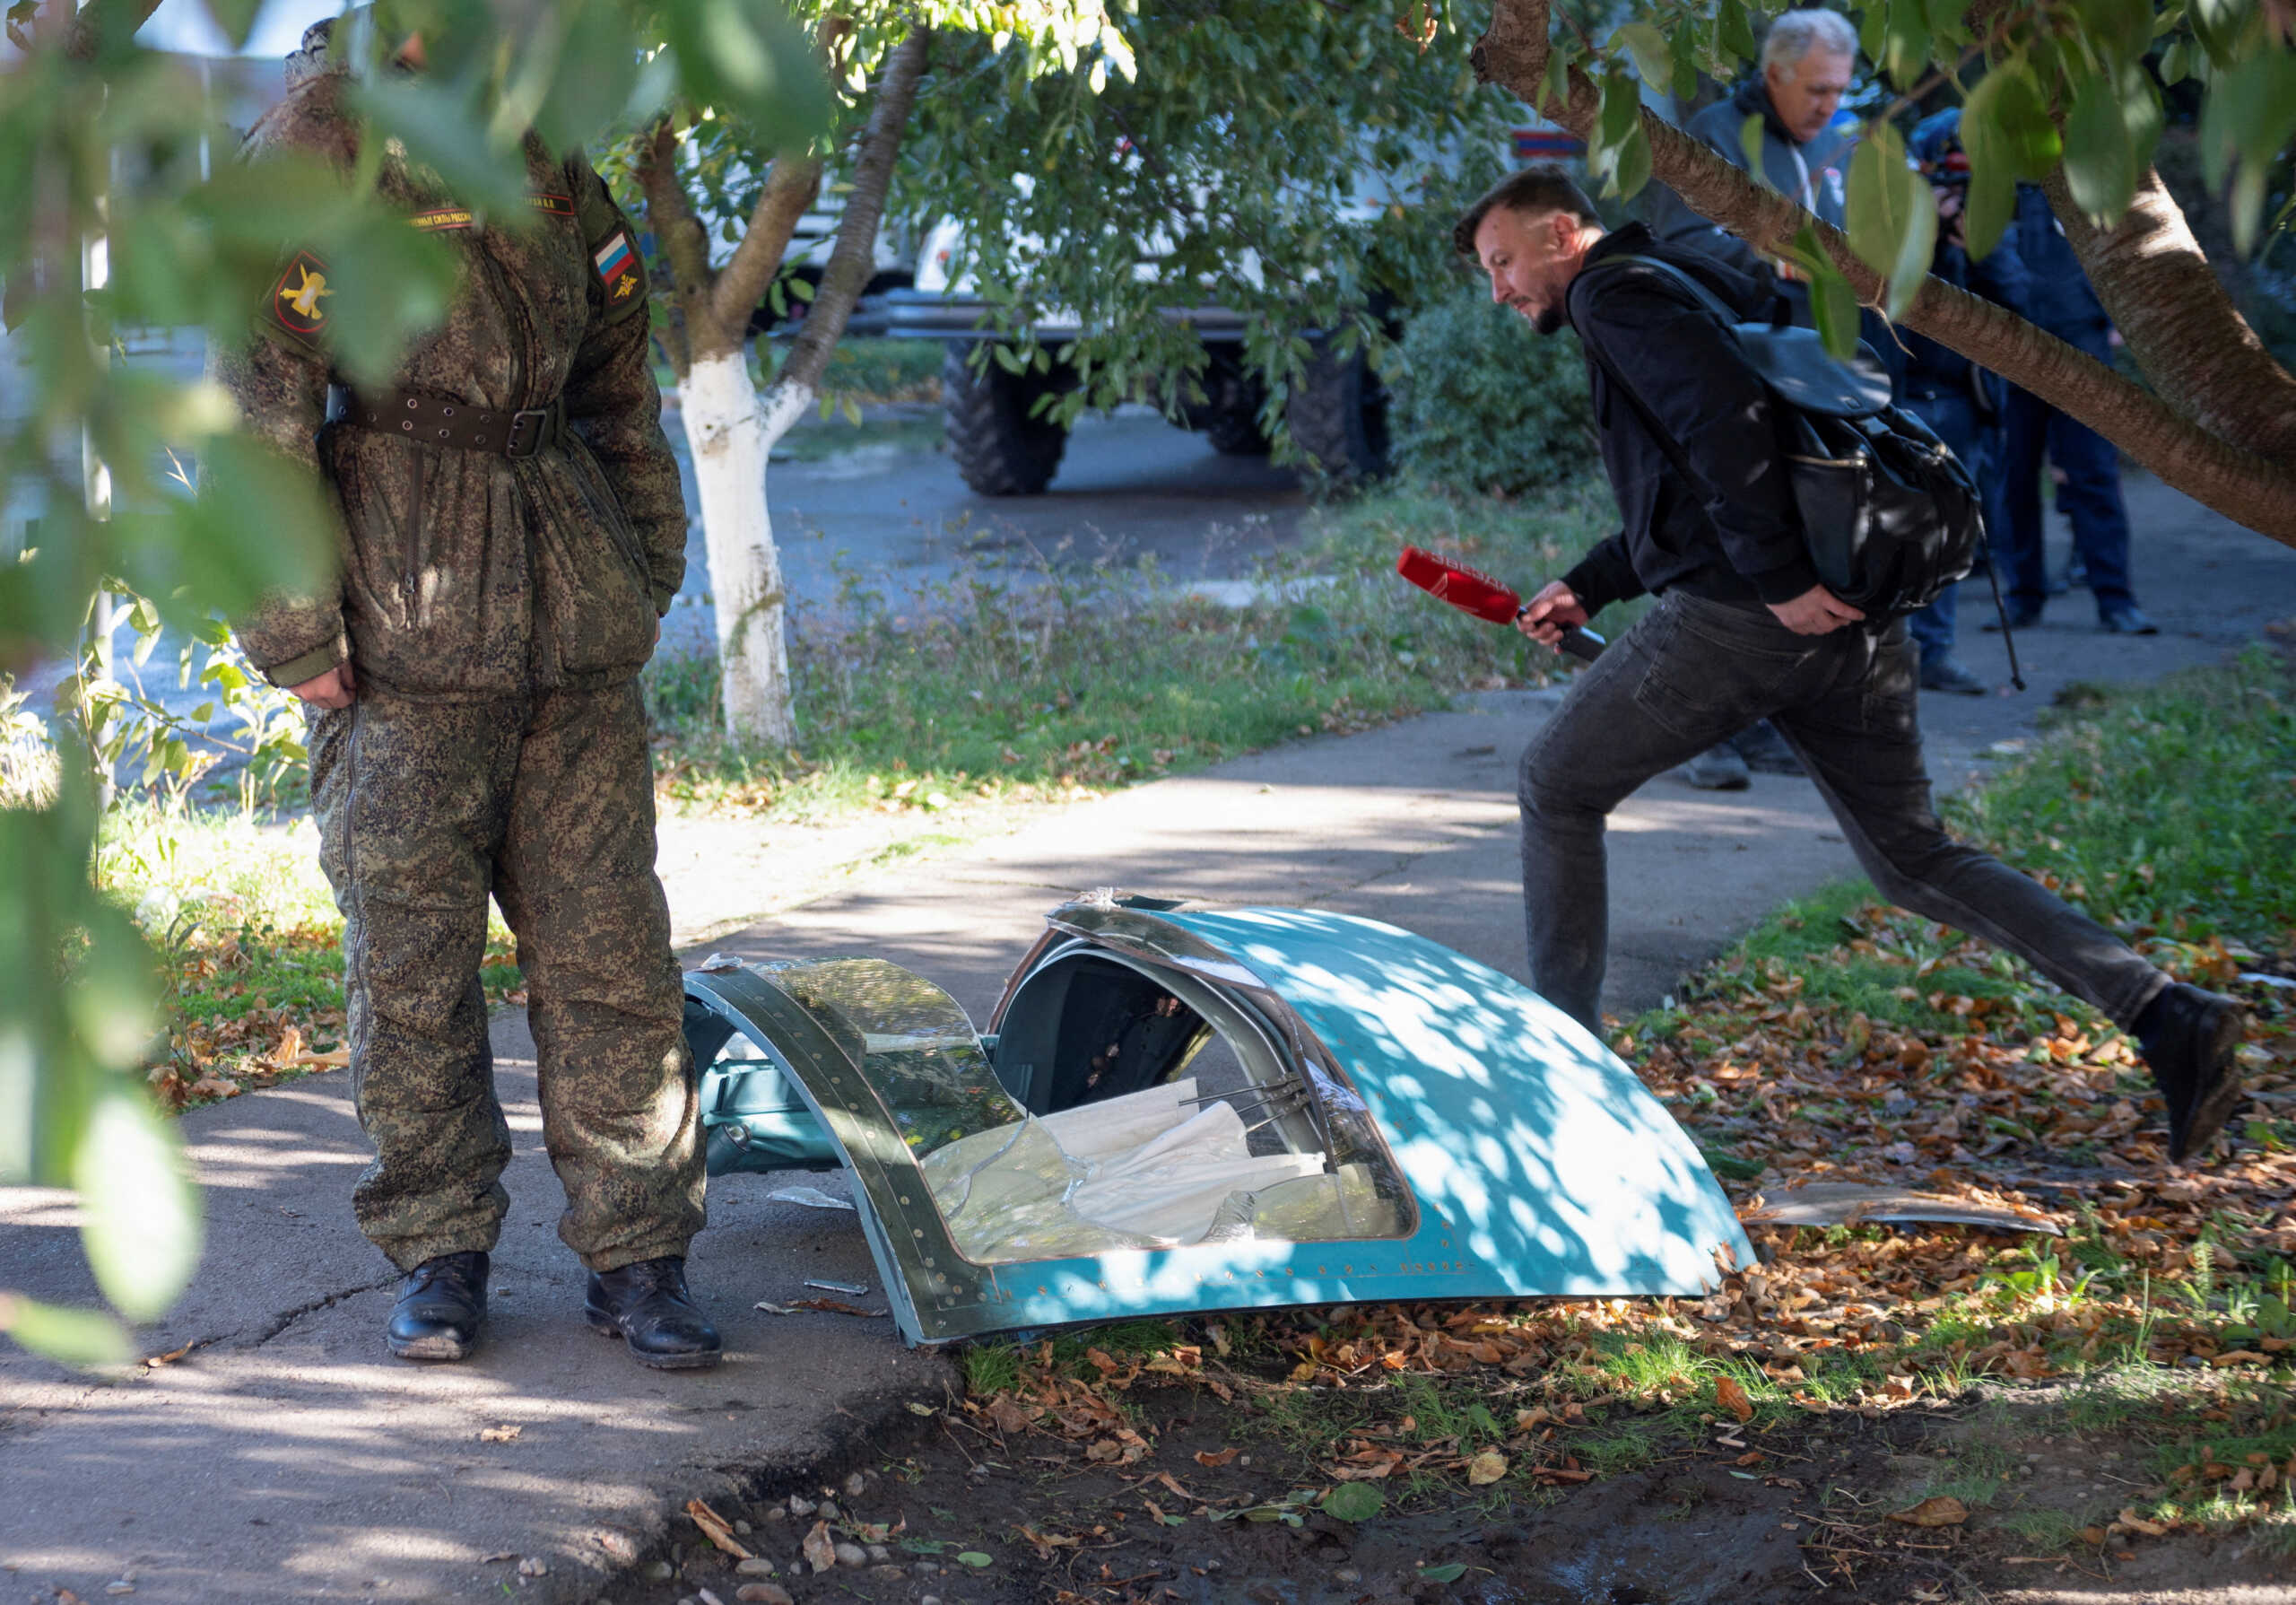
x=1060, y=675
x=2169, y=806
x=2163, y=809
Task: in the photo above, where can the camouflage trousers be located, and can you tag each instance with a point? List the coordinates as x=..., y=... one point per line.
x=545, y=802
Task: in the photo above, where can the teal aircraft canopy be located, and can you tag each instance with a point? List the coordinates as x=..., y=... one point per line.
x=1178, y=1112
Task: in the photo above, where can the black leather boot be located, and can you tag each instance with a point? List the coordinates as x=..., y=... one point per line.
x=2189, y=1038
x=440, y=1306
x=646, y=1305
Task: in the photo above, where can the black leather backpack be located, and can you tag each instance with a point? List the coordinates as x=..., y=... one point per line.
x=1890, y=515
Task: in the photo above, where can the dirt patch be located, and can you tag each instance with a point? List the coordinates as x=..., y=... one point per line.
x=1224, y=1500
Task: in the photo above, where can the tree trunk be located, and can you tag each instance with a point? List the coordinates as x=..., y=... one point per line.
x=730, y=433
x=732, y=429
x=2201, y=370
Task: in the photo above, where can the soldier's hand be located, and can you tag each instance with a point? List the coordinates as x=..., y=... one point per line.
x=337, y=688
x=1817, y=611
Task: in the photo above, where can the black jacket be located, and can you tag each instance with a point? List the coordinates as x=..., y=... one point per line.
x=1734, y=534
x=1934, y=370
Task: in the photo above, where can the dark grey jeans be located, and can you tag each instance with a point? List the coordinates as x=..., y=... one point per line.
x=1692, y=672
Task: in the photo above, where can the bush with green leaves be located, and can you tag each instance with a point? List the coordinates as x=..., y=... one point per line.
x=1481, y=403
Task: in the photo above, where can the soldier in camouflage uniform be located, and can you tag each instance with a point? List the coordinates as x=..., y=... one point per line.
x=512, y=528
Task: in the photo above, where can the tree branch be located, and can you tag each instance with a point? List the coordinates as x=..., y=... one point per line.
x=694, y=331
x=848, y=273
x=741, y=282
x=2182, y=327
x=2246, y=485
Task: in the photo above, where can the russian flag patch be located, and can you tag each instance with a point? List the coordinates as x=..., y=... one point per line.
x=617, y=265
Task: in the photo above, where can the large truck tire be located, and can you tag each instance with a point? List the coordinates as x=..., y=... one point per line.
x=1236, y=433
x=1002, y=448
x=1338, y=415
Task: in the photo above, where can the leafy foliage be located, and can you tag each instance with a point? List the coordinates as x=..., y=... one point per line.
x=1483, y=403
x=1299, y=163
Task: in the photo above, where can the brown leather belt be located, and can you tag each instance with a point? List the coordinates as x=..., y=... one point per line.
x=453, y=423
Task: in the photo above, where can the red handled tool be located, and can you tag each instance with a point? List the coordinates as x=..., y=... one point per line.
x=1472, y=592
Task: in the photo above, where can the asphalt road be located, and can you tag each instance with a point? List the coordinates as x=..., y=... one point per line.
x=898, y=518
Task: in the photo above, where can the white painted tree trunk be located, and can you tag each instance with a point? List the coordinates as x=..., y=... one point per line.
x=731, y=429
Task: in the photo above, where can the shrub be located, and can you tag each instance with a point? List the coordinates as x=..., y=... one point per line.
x=1483, y=404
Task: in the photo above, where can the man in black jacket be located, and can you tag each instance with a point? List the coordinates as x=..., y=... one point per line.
x=1744, y=630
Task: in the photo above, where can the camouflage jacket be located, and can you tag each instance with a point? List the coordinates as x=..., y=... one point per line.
x=467, y=574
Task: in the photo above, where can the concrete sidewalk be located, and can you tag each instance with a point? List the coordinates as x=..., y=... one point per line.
x=286, y=1457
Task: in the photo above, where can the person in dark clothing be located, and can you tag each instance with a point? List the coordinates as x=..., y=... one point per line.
x=1744, y=630
x=1952, y=394
x=1808, y=58
x=2062, y=302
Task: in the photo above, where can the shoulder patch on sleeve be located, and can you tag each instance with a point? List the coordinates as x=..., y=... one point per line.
x=297, y=304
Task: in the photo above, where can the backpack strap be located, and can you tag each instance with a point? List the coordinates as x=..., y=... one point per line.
x=1618, y=381
x=1706, y=301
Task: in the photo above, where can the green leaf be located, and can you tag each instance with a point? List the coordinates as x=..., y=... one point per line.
x=140, y=1221
x=745, y=56
x=433, y=118
x=1948, y=24
x=1833, y=304
x=1354, y=1502
x=973, y=1559
x=575, y=76
x=1554, y=90
x=1905, y=52
x=2010, y=99
x=82, y=1338
x=1992, y=199
x=1621, y=109
x=2219, y=25
x=1632, y=171
x=2250, y=115
x=1450, y=1572
x=1750, y=141
x=2120, y=30
x=1732, y=31
x=1653, y=57
x=2100, y=161
x=1893, y=217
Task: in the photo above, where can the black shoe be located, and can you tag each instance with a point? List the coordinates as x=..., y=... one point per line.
x=2189, y=1037
x=647, y=1305
x=1765, y=750
x=1945, y=671
x=1718, y=769
x=2022, y=615
x=440, y=1306
x=2127, y=619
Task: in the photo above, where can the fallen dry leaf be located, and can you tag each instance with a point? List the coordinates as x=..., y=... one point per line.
x=1046, y=1543
x=153, y=1362
x=1942, y=1510
x=820, y=1548
x=499, y=1435
x=2128, y=1521
x=1486, y=1468
x=1203, y=1457
x=1733, y=1398
x=834, y=1306
x=717, y=1529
